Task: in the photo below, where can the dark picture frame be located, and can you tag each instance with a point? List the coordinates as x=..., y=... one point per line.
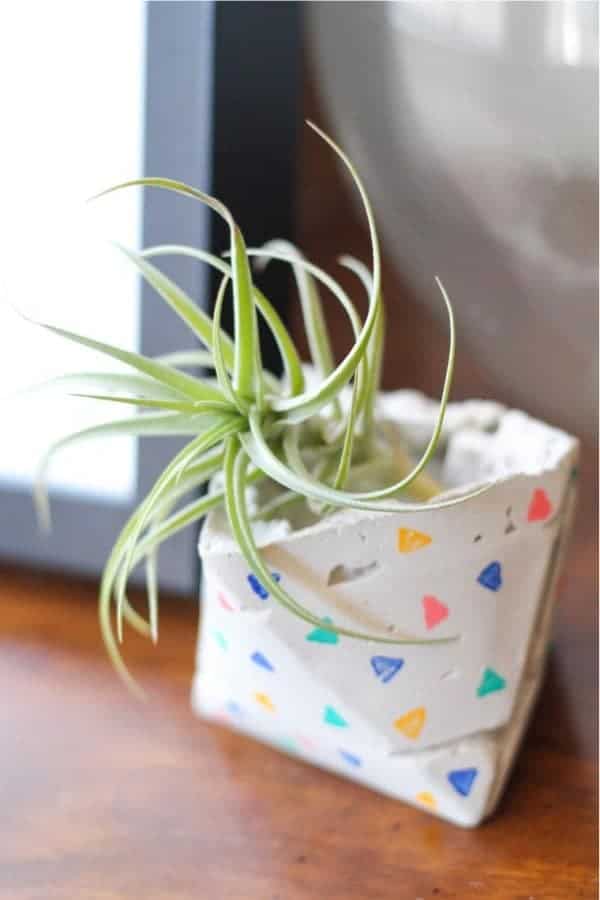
x=221, y=113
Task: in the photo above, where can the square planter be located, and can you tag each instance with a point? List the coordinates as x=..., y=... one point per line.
x=435, y=725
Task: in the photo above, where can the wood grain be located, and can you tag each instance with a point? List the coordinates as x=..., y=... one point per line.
x=105, y=798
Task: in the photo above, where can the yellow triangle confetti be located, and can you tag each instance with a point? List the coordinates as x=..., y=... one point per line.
x=427, y=799
x=265, y=701
x=409, y=540
x=411, y=723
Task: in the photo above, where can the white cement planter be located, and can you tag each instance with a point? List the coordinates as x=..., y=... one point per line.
x=437, y=726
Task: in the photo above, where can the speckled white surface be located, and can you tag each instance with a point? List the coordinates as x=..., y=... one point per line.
x=435, y=725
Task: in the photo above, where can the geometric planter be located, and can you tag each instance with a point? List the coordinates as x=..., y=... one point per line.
x=437, y=725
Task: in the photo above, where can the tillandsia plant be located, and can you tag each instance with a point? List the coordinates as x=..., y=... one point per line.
x=313, y=442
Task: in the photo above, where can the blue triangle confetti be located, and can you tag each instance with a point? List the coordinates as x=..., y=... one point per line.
x=261, y=660
x=258, y=588
x=234, y=708
x=385, y=667
x=462, y=780
x=491, y=577
x=351, y=758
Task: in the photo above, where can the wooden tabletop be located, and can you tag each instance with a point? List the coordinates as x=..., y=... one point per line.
x=102, y=797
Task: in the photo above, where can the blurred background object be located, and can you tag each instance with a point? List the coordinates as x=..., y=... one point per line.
x=189, y=94
x=475, y=126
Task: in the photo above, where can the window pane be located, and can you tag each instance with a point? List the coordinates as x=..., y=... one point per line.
x=72, y=107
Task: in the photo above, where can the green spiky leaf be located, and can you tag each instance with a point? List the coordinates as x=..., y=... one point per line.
x=311, y=439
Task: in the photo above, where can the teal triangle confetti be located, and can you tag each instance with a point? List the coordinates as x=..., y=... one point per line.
x=385, y=667
x=287, y=745
x=323, y=635
x=462, y=780
x=490, y=682
x=261, y=660
x=220, y=639
x=332, y=717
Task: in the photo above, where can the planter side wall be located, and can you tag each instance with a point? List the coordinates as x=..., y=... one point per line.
x=435, y=724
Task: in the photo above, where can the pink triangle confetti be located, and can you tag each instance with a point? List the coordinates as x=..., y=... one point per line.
x=435, y=611
x=225, y=603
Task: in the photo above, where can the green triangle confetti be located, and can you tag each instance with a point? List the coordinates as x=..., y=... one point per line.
x=490, y=682
x=332, y=717
x=220, y=639
x=323, y=635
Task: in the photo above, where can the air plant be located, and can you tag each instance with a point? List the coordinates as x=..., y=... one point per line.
x=311, y=441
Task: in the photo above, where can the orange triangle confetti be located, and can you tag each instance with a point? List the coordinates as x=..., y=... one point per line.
x=427, y=799
x=409, y=540
x=265, y=701
x=411, y=723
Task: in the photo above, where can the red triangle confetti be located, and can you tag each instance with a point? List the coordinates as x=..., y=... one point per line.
x=435, y=611
x=539, y=506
